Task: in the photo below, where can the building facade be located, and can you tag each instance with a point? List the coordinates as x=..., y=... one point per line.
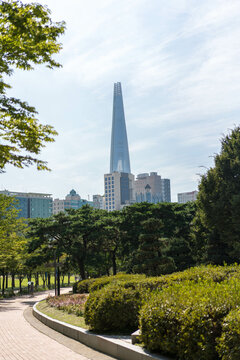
x=152, y=188
x=118, y=190
x=98, y=201
x=187, y=196
x=71, y=201
x=32, y=205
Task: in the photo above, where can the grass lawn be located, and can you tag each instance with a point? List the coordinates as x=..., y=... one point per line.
x=61, y=315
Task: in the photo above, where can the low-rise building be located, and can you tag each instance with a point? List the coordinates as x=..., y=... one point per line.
x=187, y=196
x=71, y=201
x=32, y=205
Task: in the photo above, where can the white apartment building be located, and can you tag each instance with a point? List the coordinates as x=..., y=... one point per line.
x=58, y=206
x=187, y=196
x=98, y=201
x=118, y=189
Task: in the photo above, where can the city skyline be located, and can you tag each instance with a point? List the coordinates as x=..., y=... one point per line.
x=178, y=63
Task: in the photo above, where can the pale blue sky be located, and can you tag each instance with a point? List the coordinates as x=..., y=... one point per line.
x=179, y=65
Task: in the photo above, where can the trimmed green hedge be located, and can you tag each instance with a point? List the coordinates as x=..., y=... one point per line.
x=82, y=287
x=185, y=320
x=229, y=342
x=197, y=274
x=113, y=308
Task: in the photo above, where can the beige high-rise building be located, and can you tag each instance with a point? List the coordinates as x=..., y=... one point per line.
x=152, y=188
x=118, y=190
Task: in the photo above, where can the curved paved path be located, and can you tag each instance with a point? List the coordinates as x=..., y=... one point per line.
x=21, y=341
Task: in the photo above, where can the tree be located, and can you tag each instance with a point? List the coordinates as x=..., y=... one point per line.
x=12, y=239
x=111, y=236
x=27, y=37
x=74, y=233
x=218, y=202
x=149, y=256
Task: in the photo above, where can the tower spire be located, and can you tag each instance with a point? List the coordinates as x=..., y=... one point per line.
x=119, y=158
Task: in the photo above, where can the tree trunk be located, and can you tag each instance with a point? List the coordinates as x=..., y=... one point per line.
x=49, y=280
x=69, y=278
x=13, y=281
x=20, y=283
x=82, y=269
x=36, y=279
x=3, y=283
x=114, y=265
x=62, y=280
x=6, y=281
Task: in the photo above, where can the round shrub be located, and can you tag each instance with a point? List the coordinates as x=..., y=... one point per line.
x=229, y=342
x=113, y=308
x=82, y=286
x=114, y=279
x=185, y=319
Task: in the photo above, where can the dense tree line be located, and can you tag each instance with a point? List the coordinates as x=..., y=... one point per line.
x=142, y=238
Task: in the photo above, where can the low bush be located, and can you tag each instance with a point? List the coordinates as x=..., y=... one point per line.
x=113, y=308
x=229, y=343
x=114, y=279
x=185, y=320
x=197, y=274
x=72, y=304
x=82, y=286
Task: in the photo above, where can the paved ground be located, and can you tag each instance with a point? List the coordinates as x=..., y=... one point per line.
x=21, y=341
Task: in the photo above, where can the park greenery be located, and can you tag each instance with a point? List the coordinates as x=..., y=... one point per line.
x=185, y=315
x=170, y=269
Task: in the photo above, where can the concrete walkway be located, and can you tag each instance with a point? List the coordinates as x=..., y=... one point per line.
x=21, y=341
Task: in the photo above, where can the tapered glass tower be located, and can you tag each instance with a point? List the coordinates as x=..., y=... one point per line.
x=119, y=159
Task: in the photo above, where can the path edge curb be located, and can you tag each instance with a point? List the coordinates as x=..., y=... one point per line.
x=106, y=344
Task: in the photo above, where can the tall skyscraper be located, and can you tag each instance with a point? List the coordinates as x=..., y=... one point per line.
x=119, y=158
x=118, y=184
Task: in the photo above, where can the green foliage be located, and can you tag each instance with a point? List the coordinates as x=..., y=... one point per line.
x=185, y=319
x=90, y=285
x=12, y=239
x=228, y=344
x=82, y=286
x=218, y=203
x=113, y=308
x=150, y=258
x=27, y=37
x=174, y=221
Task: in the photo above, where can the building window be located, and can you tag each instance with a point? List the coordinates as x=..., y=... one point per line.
x=112, y=186
x=112, y=178
x=113, y=207
x=109, y=207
